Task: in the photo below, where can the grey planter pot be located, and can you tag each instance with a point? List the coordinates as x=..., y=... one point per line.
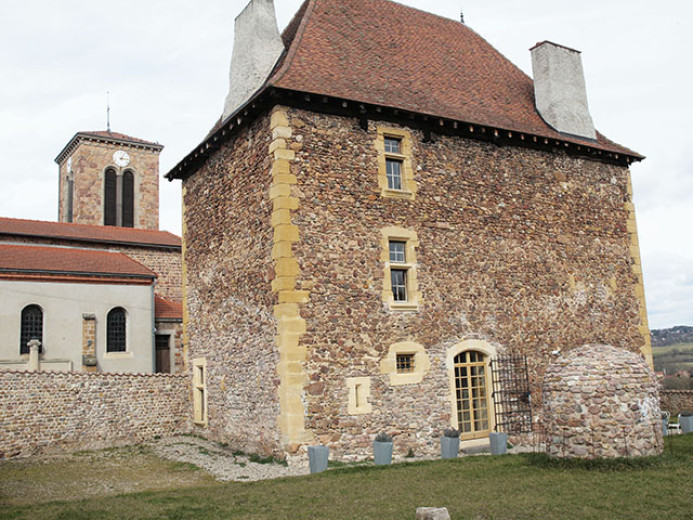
x=382, y=453
x=499, y=443
x=449, y=447
x=686, y=422
x=317, y=458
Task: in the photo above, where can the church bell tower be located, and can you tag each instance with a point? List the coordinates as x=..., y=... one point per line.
x=110, y=179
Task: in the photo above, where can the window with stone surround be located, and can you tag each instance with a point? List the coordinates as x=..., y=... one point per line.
x=31, y=327
x=359, y=392
x=395, y=171
x=200, y=391
x=116, y=330
x=406, y=362
x=400, y=285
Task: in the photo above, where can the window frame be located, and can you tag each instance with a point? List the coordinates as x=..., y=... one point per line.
x=199, y=389
x=421, y=363
x=23, y=346
x=402, y=156
x=407, y=268
x=116, y=349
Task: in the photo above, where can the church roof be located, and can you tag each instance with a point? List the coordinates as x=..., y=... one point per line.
x=43, y=263
x=105, y=136
x=88, y=233
x=165, y=309
x=387, y=54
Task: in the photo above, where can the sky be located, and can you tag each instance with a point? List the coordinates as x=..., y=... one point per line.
x=165, y=64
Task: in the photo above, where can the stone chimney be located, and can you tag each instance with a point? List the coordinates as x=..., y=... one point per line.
x=559, y=89
x=256, y=48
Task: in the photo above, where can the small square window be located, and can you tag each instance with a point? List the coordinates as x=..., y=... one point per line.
x=393, y=145
x=405, y=363
x=393, y=169
x=397, y=252
x=399, y=284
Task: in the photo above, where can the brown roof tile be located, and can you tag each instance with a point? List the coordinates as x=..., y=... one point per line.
x=167, y=309
x=76, y=262
x=87, y=233
x=384, y=53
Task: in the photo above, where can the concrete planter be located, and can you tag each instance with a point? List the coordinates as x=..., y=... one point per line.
x=382, y=453
x=317, y=458
x=499, y=443
x=686, y=423
x=449, y=447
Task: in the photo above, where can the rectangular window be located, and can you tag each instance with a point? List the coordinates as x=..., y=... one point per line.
x=400, y=287
x=405, y=363
x=394, y=174
x=393, y=145
x=397, y=252
x=399, y=284
x=395, y=167
x=200, y=391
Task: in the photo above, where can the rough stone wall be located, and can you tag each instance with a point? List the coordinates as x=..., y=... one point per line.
x=601, y=402
x=166, y=263
x=525, y=249
x=227, y=239
x=44, y=412
x=90, y=160
x=676, y=401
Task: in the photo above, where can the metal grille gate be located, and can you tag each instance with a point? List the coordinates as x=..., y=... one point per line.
x=511, y=395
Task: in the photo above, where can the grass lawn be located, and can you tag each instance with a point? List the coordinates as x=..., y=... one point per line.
x=505, y=487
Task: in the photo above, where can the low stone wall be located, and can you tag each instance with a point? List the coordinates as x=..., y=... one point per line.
x=676, y=401
x=45, y=412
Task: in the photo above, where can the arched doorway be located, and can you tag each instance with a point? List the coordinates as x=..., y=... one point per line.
x=471, y=386
x=471, y=394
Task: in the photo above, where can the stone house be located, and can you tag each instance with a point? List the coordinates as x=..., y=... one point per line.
x=101, y=289
x=386, y=206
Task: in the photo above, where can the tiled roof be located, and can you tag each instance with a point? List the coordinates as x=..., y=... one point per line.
x=383, y=53
x=167, y=309
x=386, y=55
x=87, y=233
x=105, y=136
x=22, y=259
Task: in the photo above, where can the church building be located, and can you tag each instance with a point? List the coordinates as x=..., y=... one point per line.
x=388, y=215
x=100, y=290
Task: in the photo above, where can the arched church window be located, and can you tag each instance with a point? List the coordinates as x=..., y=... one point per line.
x=119, y=198
x=128, y=199
x=116, y=330
x=31, y=327
x=110, y=198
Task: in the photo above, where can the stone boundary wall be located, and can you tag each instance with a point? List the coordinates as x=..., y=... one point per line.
x=676, y=401
x=48, y=412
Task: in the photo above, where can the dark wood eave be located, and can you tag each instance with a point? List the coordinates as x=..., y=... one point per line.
x=269, y=96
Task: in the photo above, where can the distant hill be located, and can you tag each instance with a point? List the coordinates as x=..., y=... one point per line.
x=672, y=336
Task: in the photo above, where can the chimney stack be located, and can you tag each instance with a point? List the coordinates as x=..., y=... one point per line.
x=559, y=89
x=257, y=46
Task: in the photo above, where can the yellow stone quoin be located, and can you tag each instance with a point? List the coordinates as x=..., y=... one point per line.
x=290, y=325
x=636, y=266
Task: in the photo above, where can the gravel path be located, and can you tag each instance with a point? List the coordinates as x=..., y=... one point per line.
x=221, y=462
